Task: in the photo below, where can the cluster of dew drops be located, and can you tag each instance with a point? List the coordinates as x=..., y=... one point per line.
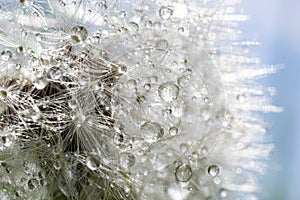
x=64, y=105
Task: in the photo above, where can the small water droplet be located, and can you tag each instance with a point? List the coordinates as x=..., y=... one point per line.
x=183, y=173
x=127, y=160
x=173, y=131
x=213, y=170
x=151, y=131
x=223, y=193
x=33, y=183
x=147, y=87
x=40, y=83
x=162, y=44
x=165, y=12
x=183, y=80
x=6, y=55
x=93, y=161
x=80, y=33
x=241, y=98
x=168, y=91
x=54, y=73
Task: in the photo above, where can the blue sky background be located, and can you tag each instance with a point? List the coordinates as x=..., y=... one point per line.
x=276, y=23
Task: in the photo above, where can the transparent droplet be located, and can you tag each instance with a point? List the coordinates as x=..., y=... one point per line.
x=127, y=160
x=147, y=87
x=151, y=131
x=6, y=55
x=168, y=91
x=40, y=83
x=33, y=183
x=183, y=80
x=165, y=12
x=54, y=73
x=204, y=150
x=93, y=161
x=183, y=173
x=223, y=193
x=80, y=33
x=173, y=131
x=241, y=98
x=162, y=44
x=213, y=170
x=20, y=49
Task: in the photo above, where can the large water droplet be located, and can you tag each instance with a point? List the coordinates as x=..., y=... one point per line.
x=168, y=91
x=33, y=183
x=213, y=170
x=165, y=12
x=127, y=160
x=79, y=33
x=183, y=173
x=93, y=161
x=40, y=83
x=151, y=131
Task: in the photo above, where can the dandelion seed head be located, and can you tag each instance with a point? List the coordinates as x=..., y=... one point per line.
x=129, y=100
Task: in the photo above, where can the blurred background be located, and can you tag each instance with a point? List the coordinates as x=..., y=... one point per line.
x=276, y=23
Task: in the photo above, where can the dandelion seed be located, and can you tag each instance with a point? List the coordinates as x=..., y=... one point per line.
x=129, y=100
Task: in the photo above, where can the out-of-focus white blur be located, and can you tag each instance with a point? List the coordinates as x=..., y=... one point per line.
x=276, y=23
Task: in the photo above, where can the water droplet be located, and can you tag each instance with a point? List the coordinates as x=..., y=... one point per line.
x=80, y=33
x=38, y=37
x=127, y=160
x=93, y=161
x=165, y=12
x=168, y=91
x=183, y=173
x=6, y=55
x=40, y=83
x=54, y=73
x=173, y=131
x=241, y=98
x=183, y=80
x=213, y=170
x=204, y=150
x=20, y=49
x=151, y=131
x=162, y=44
x=147, y=87
x=33, y=183
x=223, y=193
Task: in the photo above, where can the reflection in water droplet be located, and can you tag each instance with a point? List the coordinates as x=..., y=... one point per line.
x=165, y=12
x=151, y=131
x=93, y=161
x=183, y=173
x=168, y=91
x=127, y=160
x=213, y=170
